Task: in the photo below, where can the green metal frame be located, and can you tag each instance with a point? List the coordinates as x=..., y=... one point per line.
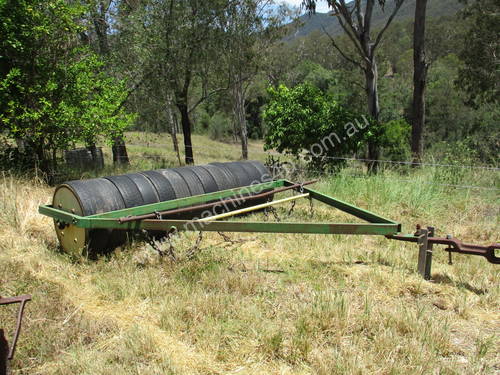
x=376, y=225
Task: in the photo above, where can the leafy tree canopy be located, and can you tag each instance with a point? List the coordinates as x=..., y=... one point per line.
x=304, y=118
x=53, y=91
x=481, y=73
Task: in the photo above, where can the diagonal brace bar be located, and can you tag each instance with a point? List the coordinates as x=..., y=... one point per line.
x=346, y=207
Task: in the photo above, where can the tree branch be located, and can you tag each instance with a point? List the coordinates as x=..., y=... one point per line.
x=353, y=39
x=389, y=21
x=359, y=13
x=205, y=97
x=368, y=16
x=343, y=9
x=335, y=45
x=131, y=90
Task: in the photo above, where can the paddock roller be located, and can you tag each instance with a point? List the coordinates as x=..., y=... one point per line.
x=100, y=195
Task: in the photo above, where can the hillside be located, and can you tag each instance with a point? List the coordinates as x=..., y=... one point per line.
x=310, y=23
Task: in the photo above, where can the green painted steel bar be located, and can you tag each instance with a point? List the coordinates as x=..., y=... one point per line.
x=89, y=222
x=266, y=227
x=346, y=207
x=232, y=226
x=60, y=215
x=223, y=226
x=190, y=201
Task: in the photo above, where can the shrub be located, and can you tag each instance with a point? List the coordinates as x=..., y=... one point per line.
x=52, y=93
x=395, y=140
x=304, y=119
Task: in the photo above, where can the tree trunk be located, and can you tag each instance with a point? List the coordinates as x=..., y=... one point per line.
x=173, y=129
x=371, y=87
x=186, y=131
x=119, y=149
x=240, y=114
x=419, y=81
x=21, y=145
x=120, y=155
x=41, y=161
x=101, y=27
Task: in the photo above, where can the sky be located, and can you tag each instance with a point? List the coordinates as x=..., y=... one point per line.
x=321, y=5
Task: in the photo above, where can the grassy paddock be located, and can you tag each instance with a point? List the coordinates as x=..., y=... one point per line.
x=271, y=304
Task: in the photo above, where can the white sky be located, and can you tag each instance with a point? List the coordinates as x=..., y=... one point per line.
x=321, y=5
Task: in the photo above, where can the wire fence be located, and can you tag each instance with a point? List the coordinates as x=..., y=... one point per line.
x=300, y=169
x=410, y=163
x=162, y=161
x=468, y=187
x=407, y=180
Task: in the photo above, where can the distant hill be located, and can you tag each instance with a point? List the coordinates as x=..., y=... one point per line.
x=316, y=22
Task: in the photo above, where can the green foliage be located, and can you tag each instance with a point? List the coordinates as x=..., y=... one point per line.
x=54, y=93
x=305, y=119
x=395, y=140
x=316, y=75
x=481, y=73
x=447, y=117
x=219, y=127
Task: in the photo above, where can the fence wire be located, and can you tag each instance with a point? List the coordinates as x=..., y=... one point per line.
x=496, y=169
x=304, y=171
x=158, y=158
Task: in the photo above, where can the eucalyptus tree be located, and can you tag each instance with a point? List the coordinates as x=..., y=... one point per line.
x=98, y=30
x=419, y=80
x=180, y=41
x=355, y=18
x=248, y=29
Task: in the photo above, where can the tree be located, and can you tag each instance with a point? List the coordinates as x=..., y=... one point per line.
x=419, y=80
x=480, y=76
x=248, y=29
x=53, y=92
x=98, y=10
x=242, y=26
x=356, y=21
x=305, y=118
x=181, y=40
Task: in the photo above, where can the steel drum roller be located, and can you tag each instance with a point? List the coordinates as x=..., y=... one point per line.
x=99, y=195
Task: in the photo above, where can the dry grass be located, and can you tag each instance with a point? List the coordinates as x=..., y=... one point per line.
x=273, y=304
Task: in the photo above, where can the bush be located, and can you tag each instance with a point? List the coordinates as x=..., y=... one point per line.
x=11, y=159
x=395, y=140
x=304, y=119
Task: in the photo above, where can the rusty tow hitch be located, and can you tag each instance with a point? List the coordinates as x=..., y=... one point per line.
x=6, y=352
x=425, y=238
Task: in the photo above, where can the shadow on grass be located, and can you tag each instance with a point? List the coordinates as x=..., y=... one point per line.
x=445, y=279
